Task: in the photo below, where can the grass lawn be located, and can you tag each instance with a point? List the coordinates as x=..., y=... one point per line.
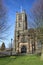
x=21, y=60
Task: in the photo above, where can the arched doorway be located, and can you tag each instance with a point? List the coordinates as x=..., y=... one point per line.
x=23, y=49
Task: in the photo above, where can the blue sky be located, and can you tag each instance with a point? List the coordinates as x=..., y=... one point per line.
x=12, y=7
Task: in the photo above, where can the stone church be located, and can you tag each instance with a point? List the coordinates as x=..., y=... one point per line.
x=25, y=40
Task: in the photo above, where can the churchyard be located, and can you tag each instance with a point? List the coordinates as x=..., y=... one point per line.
x=21, y=60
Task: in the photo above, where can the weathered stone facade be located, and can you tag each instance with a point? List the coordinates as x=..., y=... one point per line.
x=25, y=40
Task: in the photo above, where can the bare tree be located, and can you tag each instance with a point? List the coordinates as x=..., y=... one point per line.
x=37, y=13
x=37, y=18
x=3, y=20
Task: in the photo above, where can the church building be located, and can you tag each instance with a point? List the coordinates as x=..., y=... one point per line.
x=25, y=40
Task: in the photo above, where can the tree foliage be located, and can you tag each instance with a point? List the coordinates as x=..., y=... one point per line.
x=3, y=46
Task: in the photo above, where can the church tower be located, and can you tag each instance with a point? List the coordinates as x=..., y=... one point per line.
x=21, y=25
x=25, y=40
x=21, y=21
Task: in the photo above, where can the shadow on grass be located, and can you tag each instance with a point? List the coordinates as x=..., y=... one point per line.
x=5, y=60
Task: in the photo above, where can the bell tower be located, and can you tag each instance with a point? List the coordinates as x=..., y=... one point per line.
x=21, y=25
x=21, y=21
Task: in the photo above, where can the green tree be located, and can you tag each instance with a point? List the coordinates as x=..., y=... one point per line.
x=3, y=46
